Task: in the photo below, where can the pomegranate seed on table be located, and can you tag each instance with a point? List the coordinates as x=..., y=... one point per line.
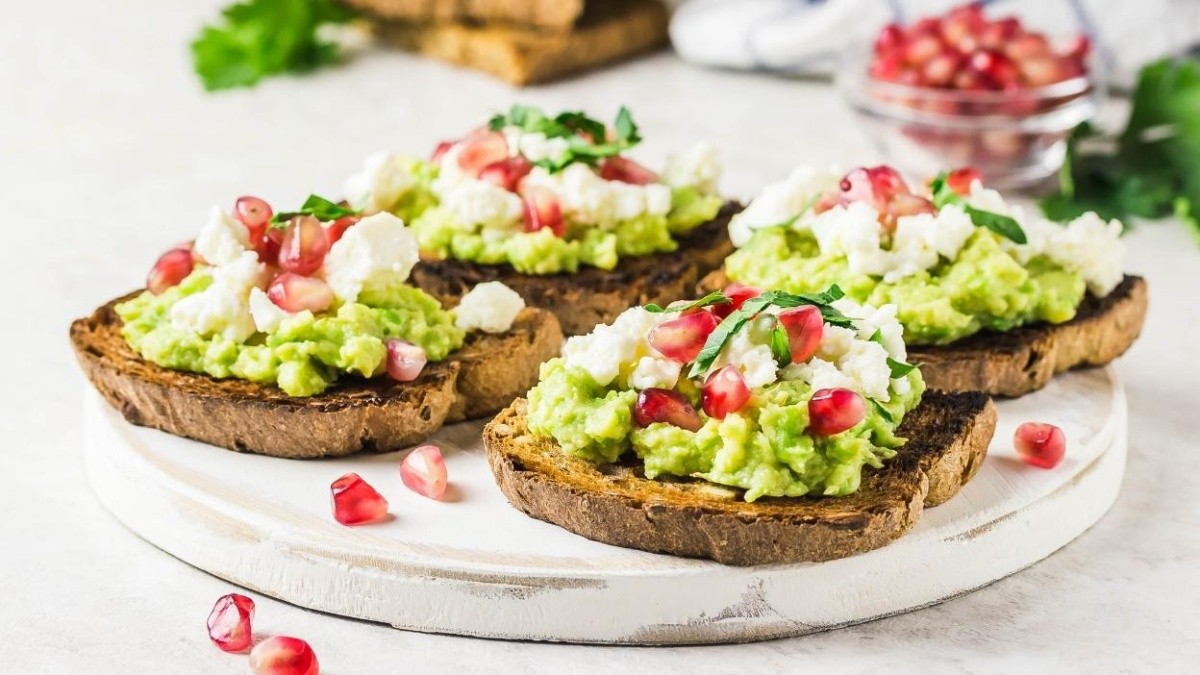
x=229, y=623
x=252, y=212
x=304, y=246
x=405, y=361
x=804, y=326
x=832, y=411
x=440, y=151
x=724, y=392
x=293, y=293
x=681, y=339
x=543, y=210
x=667, y=406
x=338, y=227
x=507, y=173
x=738, y=294
x=626, y=170
x=355, y=501
x=284, y=655
x=171, y=268
x=1040, y=444
x=480, y=149
x=424, y=471
x=960, y=180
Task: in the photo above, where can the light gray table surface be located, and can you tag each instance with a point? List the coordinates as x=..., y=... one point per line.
x=109, y=151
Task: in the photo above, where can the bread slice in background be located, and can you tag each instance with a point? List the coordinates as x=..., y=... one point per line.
x=948, y=435
x=355, y=414
x=607, y=31
x=557, y=15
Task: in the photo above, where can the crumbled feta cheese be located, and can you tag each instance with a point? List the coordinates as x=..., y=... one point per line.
x=376, y=253
x=755, y=360
x=479, y=202
x=868, y=320
x=608, y=347
x=266, y=314
x=490, y=307
x=223, y=308
x=380, y=184
x=848, y=358
x=698, y=168
x=1090, y=247
x=782, y=201
x=535, y=146
x=587, y=198
x=221, y=239
x=653, y=371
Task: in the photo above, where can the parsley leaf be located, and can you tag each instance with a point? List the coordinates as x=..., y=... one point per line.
x=781, y=346
x=899, y=368
x=317, y=206
x=259, y=38
x=714, y=298
x=1003, y=225
x=587, y=138
x=883, y=412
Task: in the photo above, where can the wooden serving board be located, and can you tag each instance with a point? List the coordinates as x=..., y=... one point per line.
x=476, y=566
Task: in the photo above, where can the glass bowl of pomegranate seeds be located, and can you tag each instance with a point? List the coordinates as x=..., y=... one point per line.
x=964, y=89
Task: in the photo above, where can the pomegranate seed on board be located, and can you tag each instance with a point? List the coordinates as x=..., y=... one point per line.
x=355, y=501
x=627, y=171
x=252, y=212
x=405, y=361
x=738, y=294
x=440, y=151
x=338, y=227
x=507, y=173
x=832, y=411
x=481, y=149
x=1040, y=444
x=229, y=623
x=724, y=392
x=424, y=471
x=667, y=406
x=171, y=268
x=304, y=246
x=681, y=339
x=804, y=326
x=960, y=180
x=283, y=655
x=294, y=293
x=542, y=210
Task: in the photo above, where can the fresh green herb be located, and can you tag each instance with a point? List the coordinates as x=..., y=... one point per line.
x=587, y=138
x=883, y=412
x=899, y=368
x=877, y=336
x=1003, y=225
x=317, y=206
x=714, y=298
x=781, y=346
x=1152, y=168
x=259, y=38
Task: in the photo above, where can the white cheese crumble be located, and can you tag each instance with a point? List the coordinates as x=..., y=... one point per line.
x=380, y=184
x=604, y=351
x=478, y=202
x=782, y=201
x=534, y=145
x=698, y=168
x=755, y=360
x=378, y=252
x=223, y=308
x=490, y=307
x=266, y=314
x=652, y=372
x=222, y=239
x=587, y=198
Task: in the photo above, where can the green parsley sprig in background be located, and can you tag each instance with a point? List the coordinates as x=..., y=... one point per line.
x=587, y=138
x=317, y=206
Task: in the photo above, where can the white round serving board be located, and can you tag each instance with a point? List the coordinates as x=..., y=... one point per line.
x=473, y=565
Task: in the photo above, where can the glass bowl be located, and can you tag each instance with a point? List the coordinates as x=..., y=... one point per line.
x=1016, y=139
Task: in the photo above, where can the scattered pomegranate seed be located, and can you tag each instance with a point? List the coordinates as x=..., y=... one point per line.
x=724, y=392
x=507, y=173
x=171, y=268
x=229, y=623
x=738, y=294
x=440, y=151
x=355, y=501
x=283, y=655
x=405, y=361
x=627, y=171
x=252, y=212
x=804, y=326
x=304, y=246
x=294, y=293
x=338, y=227
x=542, y=210
x=667, y=406
x=832, y=411
x=481, y=149
x=1040, y=444
x=424, y=471
x=960, y=180
x=681, y=339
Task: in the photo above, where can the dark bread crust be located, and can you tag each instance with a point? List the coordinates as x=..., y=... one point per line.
x=544, y=14
x=948, y=438
x=355, y=414
x=592, y=296
x=1022, y=360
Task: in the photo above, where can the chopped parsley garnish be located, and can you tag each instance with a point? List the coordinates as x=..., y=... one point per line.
x=714, y=298
x=317, y=206
x=587, y=137
x=899, y=368
x=1003, y=225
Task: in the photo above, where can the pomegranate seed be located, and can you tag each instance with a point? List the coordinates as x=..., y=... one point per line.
x=962, y=23
x=1040, y=444
x=890, y=37
x=995, y=68
x=996, y=33
x=283, y=655
x=940, y=70
x=304, y=246
x=804, y=326
x=267, y=242
x=171, y=268
x=542, y=210
x=440, y=151
x=738, y=294
x=832, y=411
x=926, y=26
x=886, y=67
x=1039, y=71
x=905, y=205
x=682, y=338
x=967, y=80
x=724, y=392
x=627, y=171
x=1026, y=45
x=923, y=48
x=507, y=173
x=826, y=202
x=293, y=293
x=338, y=227
x=874, y=185
x=355, y=501
x=1079, y=47
x=229, y=623
x=424, y=471
x=667, y=406
x=481, y=149
x=405, y=361
x=960, y=180
x=253, y=212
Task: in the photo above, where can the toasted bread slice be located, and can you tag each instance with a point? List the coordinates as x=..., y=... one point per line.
x=1022, y=360
x=544, y=14
x=948, y=437
x=607, y=31
x=355, y=414
x=591, y=295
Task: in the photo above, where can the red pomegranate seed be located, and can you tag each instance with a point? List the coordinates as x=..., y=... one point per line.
x=229, y=623
x=338, y=227
x=905, y=204
x=405, y=361
x=681, y=339
x=832, y=411
x=926, y=26
x=627, y=171
x=886, y=67
x=962, y=23
x=1039, y=71
x=304, y=246
x=940, y=70
x=724, y=392
x=171, y=268
x=1040, y=444
x=1026, y=45
x=424, y=471
x=507, y=173
x=922, y=48
x=355, y=501
x=890, y=37
x=253, y=212
x=804, y=327
x=968, y=80
x=481, y=149
x=1079, y=47
x=996, y=33
x=542, y=210
x=667, y=406
x=874, y=185
x=283, y=655
x=995, y=68
x=960, y=180
x=440, y=151
x=738, y=294
x=292, y=292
